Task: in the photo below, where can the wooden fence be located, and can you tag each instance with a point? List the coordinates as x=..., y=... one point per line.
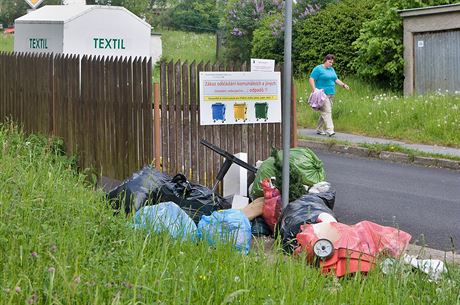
x=181, y=150
x=101, y=107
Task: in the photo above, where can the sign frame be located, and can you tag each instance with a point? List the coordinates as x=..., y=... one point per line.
x=239, y=97
x=262, y=65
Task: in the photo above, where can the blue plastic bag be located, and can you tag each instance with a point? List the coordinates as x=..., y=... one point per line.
x=165, y=216
x=226, y=226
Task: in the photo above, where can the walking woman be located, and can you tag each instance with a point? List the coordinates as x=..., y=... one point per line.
x=324, y=77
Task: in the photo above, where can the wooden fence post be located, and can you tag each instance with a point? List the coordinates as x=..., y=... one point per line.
x=293, y=116
x=156, y=119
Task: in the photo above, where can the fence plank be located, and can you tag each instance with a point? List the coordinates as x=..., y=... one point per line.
x=164, y=114
x=101, y=147
x=172, y=160
x=195, y=156
x=134, y=139
x=157, y=125
x=201, y=135
x=186, y=121
x=178, y=123
x=128, y=109
x=147, y=100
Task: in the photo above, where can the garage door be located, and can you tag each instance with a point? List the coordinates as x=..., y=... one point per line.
x=437, y=62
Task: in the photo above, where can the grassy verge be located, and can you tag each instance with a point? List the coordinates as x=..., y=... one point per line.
x=6, y=42
x=188, y=46
x=372, y=111
x=60, y=244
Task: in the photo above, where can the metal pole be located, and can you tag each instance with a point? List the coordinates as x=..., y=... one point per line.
x=287, y=102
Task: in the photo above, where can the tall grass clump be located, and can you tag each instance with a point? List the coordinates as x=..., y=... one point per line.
x=367, y=109
x=60, y=244
x=6, y=42
x=188, y=46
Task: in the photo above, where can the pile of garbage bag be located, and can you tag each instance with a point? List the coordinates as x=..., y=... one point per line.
x=149, y=187
x=301, y=158
x=353, y=248
x=165, y=217
x=224, y=226
x=307, y=225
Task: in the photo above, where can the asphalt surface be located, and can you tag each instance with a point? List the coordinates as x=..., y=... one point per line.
x=422, y=201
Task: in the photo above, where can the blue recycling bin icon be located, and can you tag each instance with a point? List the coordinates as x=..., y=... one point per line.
x=218, y=112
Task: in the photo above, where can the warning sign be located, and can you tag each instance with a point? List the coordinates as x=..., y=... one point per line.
x=34, y=3
x=240, y=98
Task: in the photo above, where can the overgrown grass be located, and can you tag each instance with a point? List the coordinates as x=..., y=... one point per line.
x=188, y=46
x=60, y=244
x=6, y=42
x=372, y=111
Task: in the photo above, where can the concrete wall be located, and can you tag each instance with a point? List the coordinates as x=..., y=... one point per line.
x=440, y=18
x=156, y=47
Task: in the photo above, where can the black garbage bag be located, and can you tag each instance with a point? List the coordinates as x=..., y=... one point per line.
x=325, y=191
x=196, y=200
x=259, y=227
x=328, y=198
x=304, y=210
x=138, y=190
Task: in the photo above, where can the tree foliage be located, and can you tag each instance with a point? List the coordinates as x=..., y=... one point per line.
x=239, y=20
x=380, y=47
x=141, y=8
x=268, y=37
x=192, y=15
x=331, y=30
x=12, y=9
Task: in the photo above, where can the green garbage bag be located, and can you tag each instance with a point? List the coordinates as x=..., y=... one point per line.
x=304, y=159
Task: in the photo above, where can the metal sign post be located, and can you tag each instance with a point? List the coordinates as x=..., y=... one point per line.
x=287, y=103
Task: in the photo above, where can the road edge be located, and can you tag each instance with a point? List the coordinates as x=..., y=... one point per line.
x=383, y=155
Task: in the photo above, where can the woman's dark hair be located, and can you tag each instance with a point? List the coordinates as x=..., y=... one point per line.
x=329, y=57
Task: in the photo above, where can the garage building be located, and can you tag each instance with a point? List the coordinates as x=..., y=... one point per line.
x=432, y=49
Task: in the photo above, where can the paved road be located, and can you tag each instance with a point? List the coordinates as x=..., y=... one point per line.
x=417, y=199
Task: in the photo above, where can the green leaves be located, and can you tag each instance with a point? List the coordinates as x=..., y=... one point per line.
x=332, y=30
x=380, y=43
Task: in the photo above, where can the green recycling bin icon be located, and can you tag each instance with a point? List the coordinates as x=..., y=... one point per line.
x=261, y=111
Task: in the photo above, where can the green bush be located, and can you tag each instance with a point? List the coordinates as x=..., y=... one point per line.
x=240, y=19
x=193, y=16
x=331, y=30
x=380, y=44
x=268, y=38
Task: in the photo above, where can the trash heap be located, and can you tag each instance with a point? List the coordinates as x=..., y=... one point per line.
x=307, y=227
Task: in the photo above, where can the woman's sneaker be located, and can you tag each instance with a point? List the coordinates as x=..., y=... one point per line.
x=320, y=132
x=331, y=134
